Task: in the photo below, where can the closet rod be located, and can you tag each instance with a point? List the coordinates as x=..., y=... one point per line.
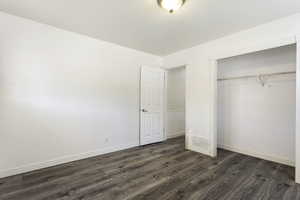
x=254, y=76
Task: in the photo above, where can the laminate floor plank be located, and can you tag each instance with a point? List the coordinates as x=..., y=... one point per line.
x=63, y=183
x=162, y=171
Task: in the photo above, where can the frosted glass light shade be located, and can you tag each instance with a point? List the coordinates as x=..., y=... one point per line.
x=171, y=5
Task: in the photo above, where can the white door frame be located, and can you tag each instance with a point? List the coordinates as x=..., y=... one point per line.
x=164, y=104
x=298, y=111
x=214, y=83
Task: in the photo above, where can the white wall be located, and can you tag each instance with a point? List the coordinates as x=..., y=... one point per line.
x=254, y=119
x=176, y=102
x=64, y=96
x=200, y=94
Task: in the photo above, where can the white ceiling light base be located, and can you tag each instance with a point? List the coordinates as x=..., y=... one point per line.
x=171, y=5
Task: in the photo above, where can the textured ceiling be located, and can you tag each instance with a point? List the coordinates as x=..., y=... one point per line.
x=142, y=25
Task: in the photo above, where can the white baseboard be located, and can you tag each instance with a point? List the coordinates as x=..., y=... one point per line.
x=198, y=144
x=64, y=159
x=259, y=155
x=174, y=135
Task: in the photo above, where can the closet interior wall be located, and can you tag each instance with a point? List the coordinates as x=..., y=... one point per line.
x=176, y=102
x=256, y=115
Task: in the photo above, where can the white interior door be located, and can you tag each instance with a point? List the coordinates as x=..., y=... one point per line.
x=152, y=105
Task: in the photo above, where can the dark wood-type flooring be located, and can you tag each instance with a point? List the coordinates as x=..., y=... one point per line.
x=159, y=171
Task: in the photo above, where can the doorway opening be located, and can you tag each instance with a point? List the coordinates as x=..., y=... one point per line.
x=256, y=104
x=176, y=97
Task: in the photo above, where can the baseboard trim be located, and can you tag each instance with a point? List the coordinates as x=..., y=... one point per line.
x=259, y=155
x=174, y=135
x=198, y=144
x=64, y=159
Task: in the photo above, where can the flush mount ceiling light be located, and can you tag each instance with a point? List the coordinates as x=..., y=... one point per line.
x=171, y=5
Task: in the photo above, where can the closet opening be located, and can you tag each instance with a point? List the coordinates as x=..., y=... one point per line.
x=176, y=89
x=256, y=104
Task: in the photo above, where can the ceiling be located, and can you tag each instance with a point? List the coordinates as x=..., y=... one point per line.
x=142, y=25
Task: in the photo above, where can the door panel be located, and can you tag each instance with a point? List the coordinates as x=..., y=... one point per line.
x=152, y=105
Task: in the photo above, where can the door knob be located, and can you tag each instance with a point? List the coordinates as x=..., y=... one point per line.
x=144, y=110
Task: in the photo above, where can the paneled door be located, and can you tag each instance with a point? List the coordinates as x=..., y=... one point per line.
x=152, y=105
